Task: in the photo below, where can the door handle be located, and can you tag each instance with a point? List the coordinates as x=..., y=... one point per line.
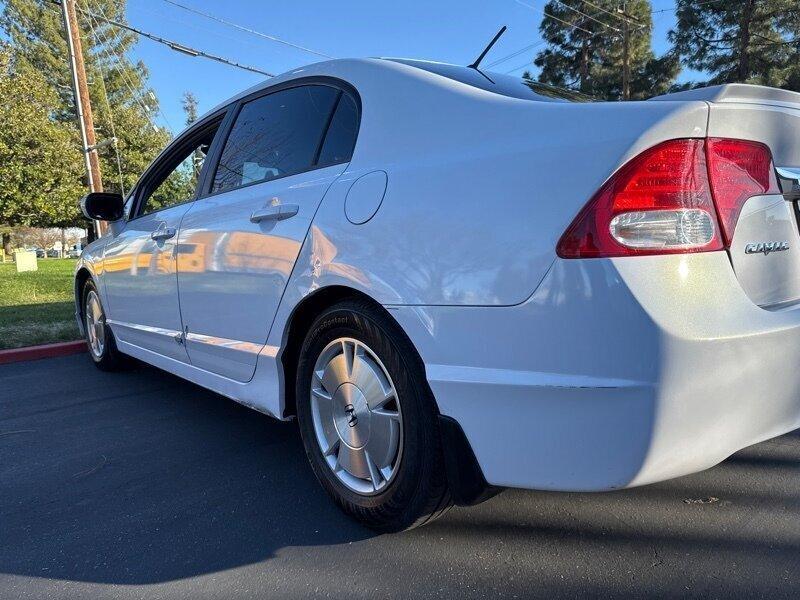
x=279, y=212
x=163, y=234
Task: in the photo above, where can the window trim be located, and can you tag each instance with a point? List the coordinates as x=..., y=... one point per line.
x=175, y=148
x=235, y=108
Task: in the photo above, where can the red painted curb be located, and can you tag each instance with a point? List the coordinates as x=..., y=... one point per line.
x=44, y=351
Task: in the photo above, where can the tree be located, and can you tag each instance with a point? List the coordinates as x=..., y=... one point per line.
x=745, y=41
x=605, y=53
x=40, y=163
x=189, y=102
x=124, y=106
x=44, y=238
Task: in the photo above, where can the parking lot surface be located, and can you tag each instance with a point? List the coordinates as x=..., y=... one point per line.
x=140, y=485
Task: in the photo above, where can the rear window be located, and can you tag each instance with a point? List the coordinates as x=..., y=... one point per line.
x=505, y=85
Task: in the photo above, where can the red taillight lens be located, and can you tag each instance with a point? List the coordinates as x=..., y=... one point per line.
x=738, y=170
x=661, y=202
x=657, y=203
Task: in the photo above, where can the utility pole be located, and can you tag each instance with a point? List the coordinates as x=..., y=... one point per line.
x=83, y=105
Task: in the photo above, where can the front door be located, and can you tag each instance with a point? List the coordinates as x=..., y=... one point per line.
x=239, y=243
x=139, y=265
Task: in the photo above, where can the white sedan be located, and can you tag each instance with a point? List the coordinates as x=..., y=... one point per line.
x=458, y=281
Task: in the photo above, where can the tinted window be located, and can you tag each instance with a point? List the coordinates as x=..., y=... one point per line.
x=341, y=136
x=275, y=135
x=178, y=181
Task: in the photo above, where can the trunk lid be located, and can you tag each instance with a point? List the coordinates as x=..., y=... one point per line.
x=765, y=248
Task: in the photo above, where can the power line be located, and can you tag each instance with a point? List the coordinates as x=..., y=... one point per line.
x=608, y=12
x=547, y=14
x=572, y=25
x=110, y=118
x=126, y=79
x=177, y=46
x=116, y=60
x=584, y=15
x=162, y=14
x=527, y=64
x=675, y=8
x=246, y=29
x=515, y=54
x=184, y=49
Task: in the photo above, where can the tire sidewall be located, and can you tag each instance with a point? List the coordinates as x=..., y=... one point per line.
x=110, y=347
x=418, y=415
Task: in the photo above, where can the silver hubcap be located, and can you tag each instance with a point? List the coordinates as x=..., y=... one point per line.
x=356, y=415
x=95, y=329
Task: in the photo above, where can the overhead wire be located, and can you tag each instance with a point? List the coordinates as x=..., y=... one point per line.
x=120, y=59
x=585, y=16
x=177, y=46
x=246, y=29
x=515, y=54
x=612, y=13
x=547, y=14
x=110, y=117
x=572, y=25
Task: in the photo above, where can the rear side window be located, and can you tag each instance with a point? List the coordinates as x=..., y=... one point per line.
x=275, y=135
x=341, y=136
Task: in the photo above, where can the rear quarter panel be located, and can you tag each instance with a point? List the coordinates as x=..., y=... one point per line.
x=480, y=186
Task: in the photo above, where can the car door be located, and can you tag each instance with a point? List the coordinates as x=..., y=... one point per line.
x=239, y=243
x=139, y=264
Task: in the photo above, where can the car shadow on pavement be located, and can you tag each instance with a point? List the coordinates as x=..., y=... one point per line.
x=140, y=477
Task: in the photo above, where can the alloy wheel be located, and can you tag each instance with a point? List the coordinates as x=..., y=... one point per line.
x=95, y=324
x=356, y=415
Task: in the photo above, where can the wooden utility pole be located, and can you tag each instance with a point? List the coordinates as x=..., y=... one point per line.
x=83, y=104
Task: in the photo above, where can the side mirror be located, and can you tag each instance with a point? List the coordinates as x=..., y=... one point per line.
x=102, y=206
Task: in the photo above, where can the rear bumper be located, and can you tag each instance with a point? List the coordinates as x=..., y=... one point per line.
x=615, y=373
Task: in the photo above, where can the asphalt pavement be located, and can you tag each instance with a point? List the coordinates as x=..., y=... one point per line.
x=141, y=485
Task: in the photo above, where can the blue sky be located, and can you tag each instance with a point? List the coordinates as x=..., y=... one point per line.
x=446, y=30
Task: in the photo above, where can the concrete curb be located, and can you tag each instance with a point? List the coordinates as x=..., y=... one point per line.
x=44, y=351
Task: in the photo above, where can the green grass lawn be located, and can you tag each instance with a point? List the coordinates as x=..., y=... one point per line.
x=37, y=307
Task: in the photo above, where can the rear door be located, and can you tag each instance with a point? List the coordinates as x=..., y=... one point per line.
x=239, y=242
x=139, y=266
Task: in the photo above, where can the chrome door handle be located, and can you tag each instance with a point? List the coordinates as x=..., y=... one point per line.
x=163, y=234
x=279, y=212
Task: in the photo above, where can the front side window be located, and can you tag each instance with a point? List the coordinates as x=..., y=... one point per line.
x=178, y=181
x=275, y=135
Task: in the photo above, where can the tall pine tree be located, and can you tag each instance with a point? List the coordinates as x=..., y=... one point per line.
x=744, y=41
x=603, y=49
x=123, y=104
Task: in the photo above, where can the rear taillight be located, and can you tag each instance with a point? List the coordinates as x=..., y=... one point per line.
x=738, y=170
x=663, y=200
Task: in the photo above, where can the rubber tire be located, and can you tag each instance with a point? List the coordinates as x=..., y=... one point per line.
x=112, y=359
x=418, y=493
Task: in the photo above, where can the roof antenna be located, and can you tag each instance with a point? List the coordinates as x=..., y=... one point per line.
x=489, y=47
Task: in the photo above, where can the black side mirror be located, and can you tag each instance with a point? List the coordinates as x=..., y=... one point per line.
x=102, y=206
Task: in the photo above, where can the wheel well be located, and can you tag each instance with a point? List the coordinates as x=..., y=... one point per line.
x=81, y=277
x=300, y=323
x=465, y=477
